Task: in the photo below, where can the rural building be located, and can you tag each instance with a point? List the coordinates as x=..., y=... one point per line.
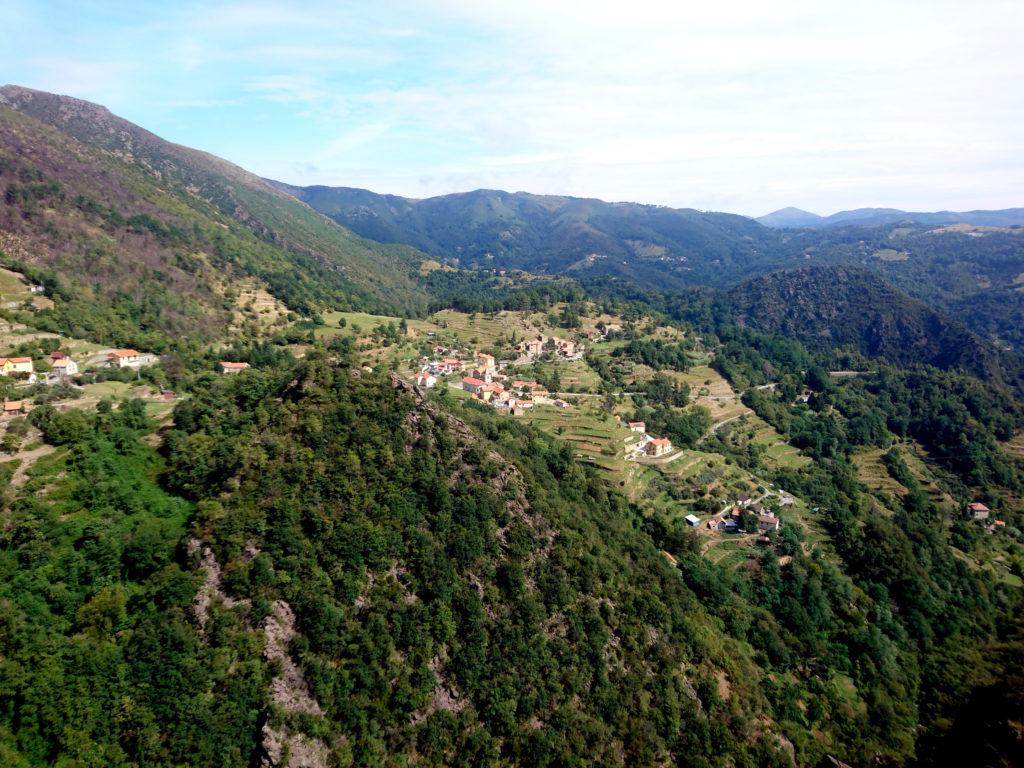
x=638, y=426
x=450, y=365
x=533, y=346
x=129, y=358
x=659, y=446
x=426, y=380
x=64, y=367
x=977, y=511
x=565, y=347
x=485, y=374
x=743, y=501
x=766, y=523
x=485, y=362
x=692, y=520
x=15, y=407
x=473, y=386
x=227, y=367
x=9, y=365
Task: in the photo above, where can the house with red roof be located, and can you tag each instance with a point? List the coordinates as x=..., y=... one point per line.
x=977, y=511
x=659, y=446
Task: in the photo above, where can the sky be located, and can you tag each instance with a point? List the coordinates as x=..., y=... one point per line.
x=737, y=106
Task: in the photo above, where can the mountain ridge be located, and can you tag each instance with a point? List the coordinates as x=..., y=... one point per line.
x=791, y=217
x=188, y=207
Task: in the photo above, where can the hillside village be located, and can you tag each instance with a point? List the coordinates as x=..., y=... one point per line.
x=508, y=363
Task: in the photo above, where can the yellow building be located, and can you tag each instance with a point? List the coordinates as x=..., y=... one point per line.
x=9, y=365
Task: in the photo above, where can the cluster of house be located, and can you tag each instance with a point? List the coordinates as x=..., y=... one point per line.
x=486, y=382
x=445, y=362
x=649, y=446
x=601, y=332
x=514, y=397
x=63, y=367
x=978, y=511
x=540, y=344
x=730, y=520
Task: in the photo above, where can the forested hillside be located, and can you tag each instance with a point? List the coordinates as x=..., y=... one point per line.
x=552, y=234
x=969, y=272
x=829, y=307
x=131, y=230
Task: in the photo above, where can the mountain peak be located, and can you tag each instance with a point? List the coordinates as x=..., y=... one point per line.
x=790, y=217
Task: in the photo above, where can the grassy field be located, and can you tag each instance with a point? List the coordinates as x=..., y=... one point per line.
x=486, y=330
x=112, y=389
x=749, y=429
x=13, y=288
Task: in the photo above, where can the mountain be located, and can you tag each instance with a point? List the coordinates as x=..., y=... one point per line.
x=554, y=234
x=795, y=218
x=829, y=307
x=790, y=217
x=141, y=231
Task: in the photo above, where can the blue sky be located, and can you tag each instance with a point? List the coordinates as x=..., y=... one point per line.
x=738, y=106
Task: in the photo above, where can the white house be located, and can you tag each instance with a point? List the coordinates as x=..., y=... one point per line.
x=129, y=358
x=426, y=380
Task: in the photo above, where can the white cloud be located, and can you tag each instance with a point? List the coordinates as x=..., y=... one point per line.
x=739, y=104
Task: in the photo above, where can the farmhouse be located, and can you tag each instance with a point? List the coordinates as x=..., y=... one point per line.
x=426, y=380
x=533, y=346
x=977, y=511
x=64, y=367
x=768, y=522
x=129, y=358
x=485, y=362
x=743, y=501
x=227, y=367
x=15, y=407
x=638, y=426
x=659, y=446
x=9, y=365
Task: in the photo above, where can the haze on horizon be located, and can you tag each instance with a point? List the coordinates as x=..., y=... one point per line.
x=740, y=106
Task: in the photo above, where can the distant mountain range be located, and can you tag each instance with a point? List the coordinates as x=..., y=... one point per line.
x=797, y=218
x=556, y=235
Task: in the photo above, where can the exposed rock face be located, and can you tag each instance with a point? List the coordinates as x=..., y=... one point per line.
x=289, y=690
x=291, y=694
x=212, y=589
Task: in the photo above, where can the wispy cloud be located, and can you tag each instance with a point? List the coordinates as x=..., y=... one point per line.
x=737, y=104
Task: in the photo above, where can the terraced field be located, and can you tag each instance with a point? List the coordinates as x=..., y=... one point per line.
x=488, y=329
x=750, y=429
x=596, y=440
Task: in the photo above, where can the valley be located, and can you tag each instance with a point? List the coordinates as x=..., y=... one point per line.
x=490, y=479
